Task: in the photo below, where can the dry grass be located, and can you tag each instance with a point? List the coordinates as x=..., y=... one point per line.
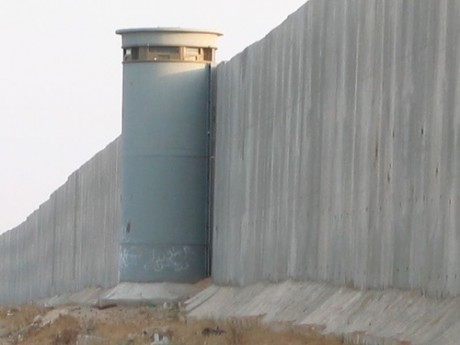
x=14, y=318
x=136, y=326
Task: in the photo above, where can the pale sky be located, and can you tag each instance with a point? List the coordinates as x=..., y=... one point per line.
x=60, y=79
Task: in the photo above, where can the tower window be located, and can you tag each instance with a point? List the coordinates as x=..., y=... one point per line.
x=135, y=53
x=167, y=53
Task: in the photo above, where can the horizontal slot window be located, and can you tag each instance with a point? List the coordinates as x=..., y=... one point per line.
x=166, y=53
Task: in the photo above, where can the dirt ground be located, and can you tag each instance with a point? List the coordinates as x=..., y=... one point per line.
x=122, y=325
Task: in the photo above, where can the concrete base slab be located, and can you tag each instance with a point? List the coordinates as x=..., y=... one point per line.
x=361, y=317
x=143, y=293
x=129, y=294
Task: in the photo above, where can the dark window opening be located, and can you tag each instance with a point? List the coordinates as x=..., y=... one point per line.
x=135, y=53
x=208, y=54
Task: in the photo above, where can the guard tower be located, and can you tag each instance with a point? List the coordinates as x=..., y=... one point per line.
x=164, y=164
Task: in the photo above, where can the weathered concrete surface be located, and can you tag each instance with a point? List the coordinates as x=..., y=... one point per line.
x=126, y=294
x=338, y=149
x=71, y=241
x=362, y=317
x=151, y=293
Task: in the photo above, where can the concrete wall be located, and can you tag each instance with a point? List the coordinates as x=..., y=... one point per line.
x=71, y=241
x=338, y=149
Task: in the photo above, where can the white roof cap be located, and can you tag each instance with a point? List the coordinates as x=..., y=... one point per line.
x=180, y=37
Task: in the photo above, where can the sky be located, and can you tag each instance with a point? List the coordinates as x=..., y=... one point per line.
x=60, y=79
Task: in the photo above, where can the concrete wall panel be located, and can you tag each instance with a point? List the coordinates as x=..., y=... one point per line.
x=71, y=241
x=337, y=153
